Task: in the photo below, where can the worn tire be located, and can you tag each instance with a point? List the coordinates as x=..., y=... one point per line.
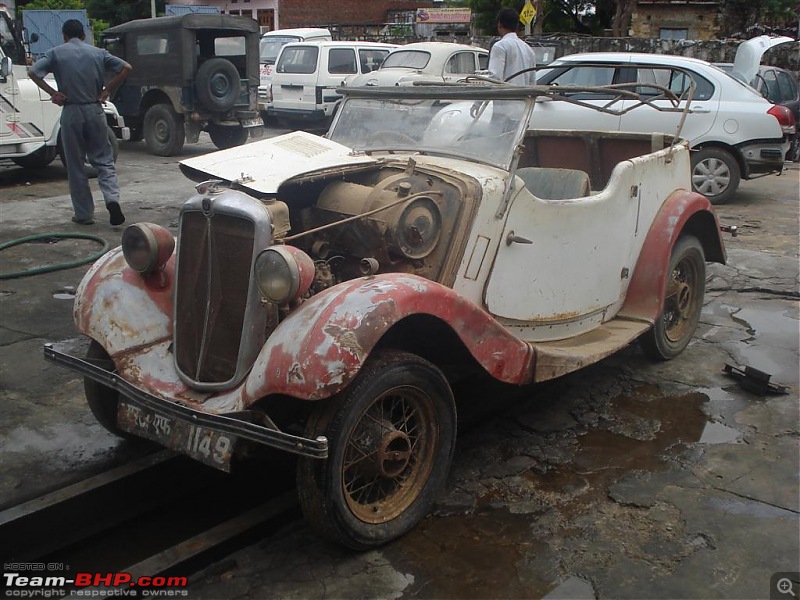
x=227, y=136
x=217, y=84
x=103, y=401
x=715, y=174
x=399, y=413
x=38, y=159
x=164, y=131
x=683, y=301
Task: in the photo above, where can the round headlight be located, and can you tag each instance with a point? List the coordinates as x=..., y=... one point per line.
x=147, y=247
x=283, y=273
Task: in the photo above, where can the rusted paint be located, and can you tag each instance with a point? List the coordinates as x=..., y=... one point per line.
x=320, y=348
x=645, y=297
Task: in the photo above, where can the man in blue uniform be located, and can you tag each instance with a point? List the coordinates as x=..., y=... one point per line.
x=79, y=70
x=510, y=55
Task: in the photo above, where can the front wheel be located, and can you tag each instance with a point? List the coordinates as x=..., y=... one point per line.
x=391, y=438
x=683, y=301
x=715, y=174
x=228, y=136
x=103, y=401
x=38, y=159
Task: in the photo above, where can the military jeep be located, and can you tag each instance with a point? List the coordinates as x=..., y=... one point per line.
x=191, y=73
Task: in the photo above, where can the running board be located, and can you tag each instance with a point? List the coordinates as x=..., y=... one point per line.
x=554, y=359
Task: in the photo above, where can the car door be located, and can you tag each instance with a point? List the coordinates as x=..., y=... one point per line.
x=549, y=114
x=704, y=106
x=295, y=77
x=459, y=65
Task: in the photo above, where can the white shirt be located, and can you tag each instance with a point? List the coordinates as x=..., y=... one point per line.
x=510, y=55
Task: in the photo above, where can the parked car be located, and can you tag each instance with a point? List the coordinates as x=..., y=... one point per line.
x=327, y=291
x=270, y=46
x=307, y=74
x=733, y=131
x=191, y=73
x=439, y=62
x=779, y=86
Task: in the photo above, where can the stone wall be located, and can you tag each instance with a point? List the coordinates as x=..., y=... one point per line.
x=700, y=21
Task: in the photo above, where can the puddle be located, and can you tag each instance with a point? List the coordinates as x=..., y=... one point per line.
x=717, y=433
x=65, y=293
x=521, y=519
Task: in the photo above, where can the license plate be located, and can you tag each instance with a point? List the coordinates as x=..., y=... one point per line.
x=209, y=447
x=254, y=122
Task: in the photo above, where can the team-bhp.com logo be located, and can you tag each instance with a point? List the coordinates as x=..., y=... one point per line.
x=87, y=584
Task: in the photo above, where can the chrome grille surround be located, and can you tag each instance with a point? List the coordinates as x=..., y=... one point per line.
x=219, y=321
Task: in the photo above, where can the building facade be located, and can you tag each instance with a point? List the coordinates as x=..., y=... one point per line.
x=676, y=19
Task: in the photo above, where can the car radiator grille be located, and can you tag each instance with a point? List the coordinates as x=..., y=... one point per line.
x=213, y=282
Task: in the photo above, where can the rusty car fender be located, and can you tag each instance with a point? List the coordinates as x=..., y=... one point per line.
x=682, y=212
x=319, y=348
x=121, y=310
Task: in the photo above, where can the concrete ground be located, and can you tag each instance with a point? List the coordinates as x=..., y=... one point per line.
x=626, y=480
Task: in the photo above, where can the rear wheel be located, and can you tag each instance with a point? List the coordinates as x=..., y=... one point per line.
x=227, y=136
x=391, y=437
x=715, y=174
x=683, y=301
x=164, y=131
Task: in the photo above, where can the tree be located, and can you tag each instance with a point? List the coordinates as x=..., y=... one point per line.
x=116, y=12
x=743, y=15
x=51, y=5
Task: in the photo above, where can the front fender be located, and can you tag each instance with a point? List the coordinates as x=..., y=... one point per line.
x=682, y=211
x=318, y=349
x=120, y=309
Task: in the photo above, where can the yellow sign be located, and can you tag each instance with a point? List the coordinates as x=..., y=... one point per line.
x=528, y=13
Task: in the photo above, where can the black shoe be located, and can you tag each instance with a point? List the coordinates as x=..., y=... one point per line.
x=116, y=218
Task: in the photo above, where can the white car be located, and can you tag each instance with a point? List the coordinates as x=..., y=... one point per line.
x=440, y=62
x=733, y=131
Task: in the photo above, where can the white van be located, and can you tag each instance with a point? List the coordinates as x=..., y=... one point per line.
x=270, y=46
x=307, y=74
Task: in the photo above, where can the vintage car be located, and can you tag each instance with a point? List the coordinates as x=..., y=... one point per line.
x=325, y=291
x=191, y=73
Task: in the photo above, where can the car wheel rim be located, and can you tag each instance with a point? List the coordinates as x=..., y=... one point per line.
x=389, y=454
x=711, y=177
x=220, y=86
x=161, y=130
x=680, y=304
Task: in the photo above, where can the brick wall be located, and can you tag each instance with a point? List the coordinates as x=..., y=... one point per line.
x=305, y=13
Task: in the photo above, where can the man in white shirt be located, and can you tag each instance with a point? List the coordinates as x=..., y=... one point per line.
x=510, y=55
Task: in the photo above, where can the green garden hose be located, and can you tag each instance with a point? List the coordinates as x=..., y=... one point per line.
x=58, y=267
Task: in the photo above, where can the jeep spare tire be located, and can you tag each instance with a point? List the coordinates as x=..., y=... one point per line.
x=217, y=84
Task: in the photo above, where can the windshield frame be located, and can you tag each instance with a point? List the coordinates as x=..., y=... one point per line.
x=449, y=96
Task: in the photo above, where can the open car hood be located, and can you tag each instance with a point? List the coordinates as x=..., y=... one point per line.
x=263, y=166
x=749, y=53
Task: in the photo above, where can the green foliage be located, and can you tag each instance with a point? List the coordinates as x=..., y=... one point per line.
x=52, y=5
x=116, y=12
x=98, y=27
x=741, y=14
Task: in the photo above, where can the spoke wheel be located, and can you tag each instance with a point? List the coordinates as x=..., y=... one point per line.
x=391, y=437
x=683, y=301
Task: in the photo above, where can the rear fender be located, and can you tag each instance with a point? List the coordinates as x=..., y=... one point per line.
x=318, y=349
x=682, y=212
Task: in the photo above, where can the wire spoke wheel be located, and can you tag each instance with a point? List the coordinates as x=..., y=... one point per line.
x=389, y=455
x=391, y=436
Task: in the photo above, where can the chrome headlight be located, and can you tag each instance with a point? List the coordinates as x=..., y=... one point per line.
x=147, y=247
x=283, y=273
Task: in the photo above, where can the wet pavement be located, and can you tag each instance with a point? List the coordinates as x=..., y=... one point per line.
x=629, y=479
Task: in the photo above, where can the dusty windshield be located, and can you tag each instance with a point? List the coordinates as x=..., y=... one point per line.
x=480, y=130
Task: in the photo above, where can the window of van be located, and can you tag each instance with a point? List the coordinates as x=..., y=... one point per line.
x=342, y=61
x=300, y=59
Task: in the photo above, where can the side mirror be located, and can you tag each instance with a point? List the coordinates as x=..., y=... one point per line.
x=34, y=37
x=5, y=66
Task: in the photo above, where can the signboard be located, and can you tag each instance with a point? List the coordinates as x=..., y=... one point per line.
x=528, y=13
x=444, y=15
